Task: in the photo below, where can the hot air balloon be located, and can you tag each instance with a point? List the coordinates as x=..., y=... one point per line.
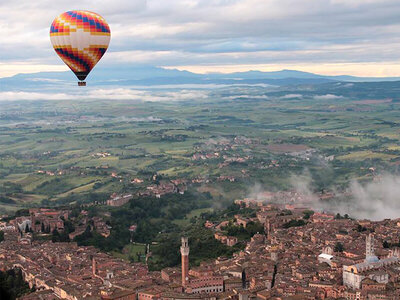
x=80, y=38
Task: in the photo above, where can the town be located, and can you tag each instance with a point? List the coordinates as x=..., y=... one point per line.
x=301, y=254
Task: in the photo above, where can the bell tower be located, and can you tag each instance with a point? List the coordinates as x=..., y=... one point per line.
x=185, y=261
x=94, y=266
x=370, y=249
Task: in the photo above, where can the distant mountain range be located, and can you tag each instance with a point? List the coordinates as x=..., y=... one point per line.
x=151, y=76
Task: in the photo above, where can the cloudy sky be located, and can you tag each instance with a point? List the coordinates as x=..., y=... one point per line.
x=356, y=37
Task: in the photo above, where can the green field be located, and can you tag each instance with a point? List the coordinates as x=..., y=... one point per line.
x=131, y=252
x=193, y=214
x=348, y=136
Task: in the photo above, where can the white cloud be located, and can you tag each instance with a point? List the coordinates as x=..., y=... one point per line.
x=224, y=32
x=10, y=96
x=377, y=200
x=130, y=94
x=327, y=97
x=358, y=3
x=247, y=96
x=291, y=96
x=109, y=94
x=374, y=200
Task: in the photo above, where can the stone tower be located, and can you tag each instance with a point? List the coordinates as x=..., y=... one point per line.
x=94, y=267
x=274, y=256
x=185, y=261
x=370, y=249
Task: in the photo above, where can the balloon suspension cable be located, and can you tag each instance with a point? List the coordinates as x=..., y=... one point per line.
x=81, y=83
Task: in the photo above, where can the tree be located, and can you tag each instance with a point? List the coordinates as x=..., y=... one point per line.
x=361, y=228
x=286, y=212
x=68, y=226
x=1, y=236
x=307, y=214
x=385, y=244
x=294, y=223
x=64, y=237
x=27, y=228
x=12, y=284
x=339, y=247
x=97, y=185
x=55, y=236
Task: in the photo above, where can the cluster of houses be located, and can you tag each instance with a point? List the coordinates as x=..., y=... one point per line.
x=322, y=257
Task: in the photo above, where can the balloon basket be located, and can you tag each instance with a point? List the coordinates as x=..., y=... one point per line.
x=81, y=83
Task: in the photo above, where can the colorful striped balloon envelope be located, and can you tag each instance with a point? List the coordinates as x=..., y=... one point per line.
x=80, y=38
